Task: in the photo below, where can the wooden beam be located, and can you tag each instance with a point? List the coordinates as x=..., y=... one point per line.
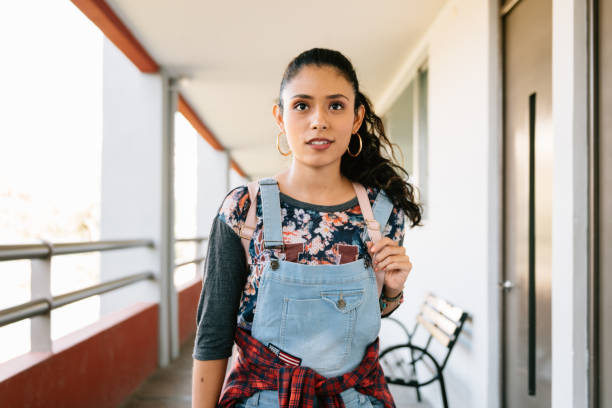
x=237, y=168
x=113, y=28
x=187, y=111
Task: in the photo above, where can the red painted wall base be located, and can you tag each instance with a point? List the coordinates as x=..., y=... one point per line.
x=188, y=297
x=98, y=366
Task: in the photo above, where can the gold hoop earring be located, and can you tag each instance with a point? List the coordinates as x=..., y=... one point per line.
x=356, y=154
x=278, y=146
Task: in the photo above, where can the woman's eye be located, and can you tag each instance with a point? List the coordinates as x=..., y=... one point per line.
x=336, y=106
x=300, y=106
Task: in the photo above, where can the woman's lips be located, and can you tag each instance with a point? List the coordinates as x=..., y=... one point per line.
x=319, y=144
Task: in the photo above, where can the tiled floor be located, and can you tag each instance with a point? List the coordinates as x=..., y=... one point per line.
x=171, y=388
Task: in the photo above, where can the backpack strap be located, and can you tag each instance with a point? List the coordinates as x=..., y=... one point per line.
x=248, y=228
x=374, y=219
x=372, y=226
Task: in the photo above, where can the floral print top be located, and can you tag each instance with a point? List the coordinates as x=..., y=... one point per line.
x=313, y=234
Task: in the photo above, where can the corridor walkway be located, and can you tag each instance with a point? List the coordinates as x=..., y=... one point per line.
x=171, y=388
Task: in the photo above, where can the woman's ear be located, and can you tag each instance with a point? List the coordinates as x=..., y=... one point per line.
x=358, y=118
x=278, y=117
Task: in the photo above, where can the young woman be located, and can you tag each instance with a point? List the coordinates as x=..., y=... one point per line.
x=301, y=266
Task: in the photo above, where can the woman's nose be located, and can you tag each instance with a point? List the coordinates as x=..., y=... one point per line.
x=319, y=121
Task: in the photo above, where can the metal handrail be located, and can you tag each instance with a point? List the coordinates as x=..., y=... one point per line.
x=47, y=249
x=41, y=306
x=195, y=239
x=196, y=260
x=24, y=311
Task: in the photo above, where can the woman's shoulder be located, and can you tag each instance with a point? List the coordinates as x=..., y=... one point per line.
x=235, y=206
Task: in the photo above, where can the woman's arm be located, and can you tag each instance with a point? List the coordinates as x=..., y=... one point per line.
x=225, y=274
x=208, y=377
x=389, y=306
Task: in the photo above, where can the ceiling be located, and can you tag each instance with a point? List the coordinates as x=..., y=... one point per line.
x=234, y=54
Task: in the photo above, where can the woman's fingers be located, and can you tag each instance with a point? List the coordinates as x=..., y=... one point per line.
x=388, y=255
x=375, y=247
x=386, y=252
x=394, y=262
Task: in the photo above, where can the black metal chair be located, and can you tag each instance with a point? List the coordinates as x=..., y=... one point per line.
x=443, y=323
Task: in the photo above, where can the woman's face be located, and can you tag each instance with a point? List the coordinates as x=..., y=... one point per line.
x=318, y=115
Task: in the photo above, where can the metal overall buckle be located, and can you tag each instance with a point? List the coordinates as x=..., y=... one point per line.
x=274, y=262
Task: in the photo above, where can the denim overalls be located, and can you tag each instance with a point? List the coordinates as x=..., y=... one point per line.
x=324, y=314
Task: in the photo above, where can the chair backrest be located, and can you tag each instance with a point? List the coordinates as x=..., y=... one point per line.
x=442, y=320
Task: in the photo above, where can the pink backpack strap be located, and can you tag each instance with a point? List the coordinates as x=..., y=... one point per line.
x=366, y=210
x=372, y=226
x=248, y=228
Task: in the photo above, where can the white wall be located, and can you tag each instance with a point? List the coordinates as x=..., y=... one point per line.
x=137, y=197
x=131, y=174
x=451, y=254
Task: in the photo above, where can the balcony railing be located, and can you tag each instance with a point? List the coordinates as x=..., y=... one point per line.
x=39, y=308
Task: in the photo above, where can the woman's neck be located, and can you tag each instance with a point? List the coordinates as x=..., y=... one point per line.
x=322, y=186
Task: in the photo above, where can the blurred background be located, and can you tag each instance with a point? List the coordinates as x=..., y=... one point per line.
x=124, y=123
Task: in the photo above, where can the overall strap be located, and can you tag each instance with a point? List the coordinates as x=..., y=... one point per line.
x=270, y=202
x=383, y=207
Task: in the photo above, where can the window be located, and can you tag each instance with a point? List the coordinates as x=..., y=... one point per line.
x=407, y=126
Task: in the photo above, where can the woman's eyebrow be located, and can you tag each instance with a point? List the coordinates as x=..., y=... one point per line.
x=304, y=96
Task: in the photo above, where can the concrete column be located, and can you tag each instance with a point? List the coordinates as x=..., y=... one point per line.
x=137, y=193
x=40, y=288
x=169, y=298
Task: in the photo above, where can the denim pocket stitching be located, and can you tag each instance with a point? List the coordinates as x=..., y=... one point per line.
x=332, y=297
x=283, y=323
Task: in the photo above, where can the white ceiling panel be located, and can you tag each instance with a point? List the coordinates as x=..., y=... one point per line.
x=235, y=53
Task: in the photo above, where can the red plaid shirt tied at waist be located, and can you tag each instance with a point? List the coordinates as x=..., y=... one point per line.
x=258, y=368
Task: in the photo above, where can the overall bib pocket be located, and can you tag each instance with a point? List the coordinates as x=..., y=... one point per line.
x=320, y=330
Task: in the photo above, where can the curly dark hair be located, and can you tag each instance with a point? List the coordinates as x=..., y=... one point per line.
x=371, y=167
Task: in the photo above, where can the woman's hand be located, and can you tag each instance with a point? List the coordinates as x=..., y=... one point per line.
x=388, y=255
